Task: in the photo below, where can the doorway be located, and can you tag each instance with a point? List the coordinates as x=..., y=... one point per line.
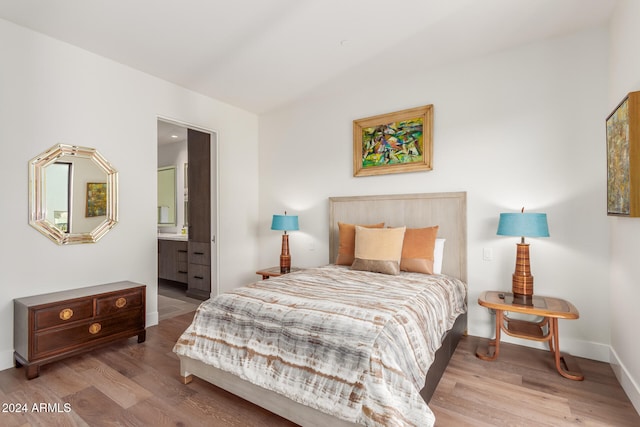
x=187, y=228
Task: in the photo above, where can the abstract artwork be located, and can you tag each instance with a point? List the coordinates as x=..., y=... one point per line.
x=623, y=151
x=96, y=199
x=393, y=143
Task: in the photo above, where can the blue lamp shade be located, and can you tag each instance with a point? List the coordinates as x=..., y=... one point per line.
x=523, y=224
x=285, y=222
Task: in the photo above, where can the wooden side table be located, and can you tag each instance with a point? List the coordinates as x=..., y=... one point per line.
x=273, y=272
x=550, y=309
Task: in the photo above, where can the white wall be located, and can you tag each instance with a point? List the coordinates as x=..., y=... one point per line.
x=52, y=93
x=522, y=127
x=625, y=232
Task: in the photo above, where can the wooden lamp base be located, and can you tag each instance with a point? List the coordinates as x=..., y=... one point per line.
x=522, y=283
x=285, y=256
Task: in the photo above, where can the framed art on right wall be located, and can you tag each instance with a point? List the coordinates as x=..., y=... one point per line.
x=623, y=158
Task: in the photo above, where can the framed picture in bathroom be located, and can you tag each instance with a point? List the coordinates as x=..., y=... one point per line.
x=96, y=199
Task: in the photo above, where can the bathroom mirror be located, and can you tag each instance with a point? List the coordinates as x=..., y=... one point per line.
x=167, y=196
x=73, y=194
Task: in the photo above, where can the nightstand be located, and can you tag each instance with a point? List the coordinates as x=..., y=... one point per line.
x=274, y=272
x=548, y=308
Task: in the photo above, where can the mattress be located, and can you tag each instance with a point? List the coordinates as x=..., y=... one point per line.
x=354, y=344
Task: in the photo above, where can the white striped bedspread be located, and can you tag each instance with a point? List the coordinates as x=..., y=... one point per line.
x=353, y=344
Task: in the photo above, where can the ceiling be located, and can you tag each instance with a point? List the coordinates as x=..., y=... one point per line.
x=262, y=54
x=169, y=132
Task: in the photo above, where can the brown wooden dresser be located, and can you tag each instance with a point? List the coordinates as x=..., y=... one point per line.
x=50, y=327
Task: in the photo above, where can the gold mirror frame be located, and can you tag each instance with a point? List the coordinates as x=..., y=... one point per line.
x=37, y=194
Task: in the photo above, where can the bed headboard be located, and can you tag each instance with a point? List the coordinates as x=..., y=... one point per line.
x=447, y=210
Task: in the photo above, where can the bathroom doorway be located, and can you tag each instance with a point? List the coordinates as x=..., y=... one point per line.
x=187, y=211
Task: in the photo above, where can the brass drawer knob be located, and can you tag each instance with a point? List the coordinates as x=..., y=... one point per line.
x=121, y=302
x=95, y=328
x=66, y=314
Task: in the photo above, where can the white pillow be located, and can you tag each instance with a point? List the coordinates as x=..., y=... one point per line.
x=438, y=254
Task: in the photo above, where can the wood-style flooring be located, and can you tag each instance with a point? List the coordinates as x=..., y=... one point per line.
x=130, y=384
x=523, y=388
x=172, y=300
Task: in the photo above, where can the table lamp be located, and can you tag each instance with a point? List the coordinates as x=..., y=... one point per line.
x=286, y=223
x=524, y=225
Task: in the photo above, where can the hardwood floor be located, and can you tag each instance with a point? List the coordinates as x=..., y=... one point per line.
x=523, y=388
x=173, y=300
x=134, y=384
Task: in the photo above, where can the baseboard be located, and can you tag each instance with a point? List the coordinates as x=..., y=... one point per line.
x=587, y=349
x=626, y=381
x=581, y=348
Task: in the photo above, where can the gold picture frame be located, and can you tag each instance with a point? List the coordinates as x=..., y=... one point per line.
x=394, y=143
x=623, y=158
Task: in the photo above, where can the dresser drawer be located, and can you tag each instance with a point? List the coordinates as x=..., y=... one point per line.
x=52, y=341
x=199, y=277
x=183, y=254
x=119, y=302
x=199, y=253
x=182, y=272
x=63, y=313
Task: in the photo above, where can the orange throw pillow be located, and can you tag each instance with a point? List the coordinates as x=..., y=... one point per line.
x=417, y=250
x=347, y=238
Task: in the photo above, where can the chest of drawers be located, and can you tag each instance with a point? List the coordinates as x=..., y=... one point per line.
x=53, y=326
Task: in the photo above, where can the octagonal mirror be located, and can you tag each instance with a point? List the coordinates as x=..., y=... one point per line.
x=73, y=194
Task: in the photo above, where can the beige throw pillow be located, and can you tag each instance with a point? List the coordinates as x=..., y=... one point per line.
x=378, y=249
x=347, y=241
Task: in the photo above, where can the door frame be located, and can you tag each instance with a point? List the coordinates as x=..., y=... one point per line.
x=215, y=198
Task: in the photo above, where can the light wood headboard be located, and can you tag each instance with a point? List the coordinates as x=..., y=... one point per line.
x=447, y=210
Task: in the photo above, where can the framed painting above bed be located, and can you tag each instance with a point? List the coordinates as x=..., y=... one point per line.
x=393, y=143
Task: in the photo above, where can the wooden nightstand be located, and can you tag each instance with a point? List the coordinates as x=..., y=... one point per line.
x=550, y=309
x=273, y=272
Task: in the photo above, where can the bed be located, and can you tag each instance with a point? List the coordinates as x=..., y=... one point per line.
x=361, y=362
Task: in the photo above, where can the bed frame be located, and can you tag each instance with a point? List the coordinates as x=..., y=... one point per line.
x=447, y=210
